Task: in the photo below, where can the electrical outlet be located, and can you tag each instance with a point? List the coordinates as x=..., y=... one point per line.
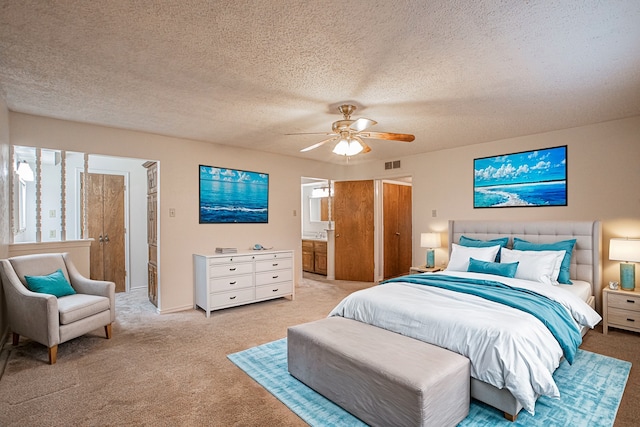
x=52, y=213
x=295, y=213
x=172, y=212
x=434, y=213
x=52, y=234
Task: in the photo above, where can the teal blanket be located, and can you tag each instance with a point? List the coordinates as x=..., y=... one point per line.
x=551, y=313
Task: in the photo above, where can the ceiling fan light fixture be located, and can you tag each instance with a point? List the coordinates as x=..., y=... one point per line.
x=348, y=147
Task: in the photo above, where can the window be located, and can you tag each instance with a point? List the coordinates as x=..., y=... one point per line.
x=46, y=194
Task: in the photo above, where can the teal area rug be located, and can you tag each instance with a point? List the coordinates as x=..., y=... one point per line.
x=591, y=391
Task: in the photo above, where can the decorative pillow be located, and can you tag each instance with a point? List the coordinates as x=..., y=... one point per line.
x=499, y=269
x=55, y=284
x=537, y=266
x=460, y=255
x=565, y=245
x=476, y=243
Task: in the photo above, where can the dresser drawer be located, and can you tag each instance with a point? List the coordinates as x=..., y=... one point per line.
x=277, y=255
x=270, y=277
x=230, y=269
x=624, y=318
x=625, y=302
x=230, y=282
x=224, y=299
x=230, y=259
x=274, y=264
x=275, y=290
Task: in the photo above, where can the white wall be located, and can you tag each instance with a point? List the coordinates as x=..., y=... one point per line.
x=603, y=182
x=603, y=162
x=182, y=235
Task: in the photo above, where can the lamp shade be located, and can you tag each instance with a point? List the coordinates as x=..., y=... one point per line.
x=430, y=240
x=624, y=250
x=347, y=147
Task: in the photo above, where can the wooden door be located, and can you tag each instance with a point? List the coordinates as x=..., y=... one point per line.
x=353, y=214
x=105, y=225
x=152, y=230
x=396, y=202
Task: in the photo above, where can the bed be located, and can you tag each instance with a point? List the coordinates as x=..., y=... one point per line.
x=513, y=353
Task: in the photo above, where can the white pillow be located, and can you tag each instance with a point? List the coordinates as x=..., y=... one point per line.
x=538, y=266
x=459, y=259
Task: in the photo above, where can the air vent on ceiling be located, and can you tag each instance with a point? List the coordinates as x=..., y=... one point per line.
x=392, y=165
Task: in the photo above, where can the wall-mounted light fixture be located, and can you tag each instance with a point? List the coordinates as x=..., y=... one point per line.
x=25, y=172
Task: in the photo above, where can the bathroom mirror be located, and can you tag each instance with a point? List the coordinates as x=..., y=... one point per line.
x=318, y=209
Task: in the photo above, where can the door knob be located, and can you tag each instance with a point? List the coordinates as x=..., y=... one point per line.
x=100, y=239
x=397, y=233
x=106, y=238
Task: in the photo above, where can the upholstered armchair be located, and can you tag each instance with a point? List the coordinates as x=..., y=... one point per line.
x=48, y=319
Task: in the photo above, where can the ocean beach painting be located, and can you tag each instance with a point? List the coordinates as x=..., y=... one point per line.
x=233, y=196
x=528, y=178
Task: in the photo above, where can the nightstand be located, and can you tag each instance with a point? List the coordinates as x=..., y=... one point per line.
x=423, y=269
x=620, y=309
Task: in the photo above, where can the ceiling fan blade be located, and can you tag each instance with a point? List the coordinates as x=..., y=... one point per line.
x=365, y=147
x=361, y=124
x=316, y=145
x=402, y=137
x=312, y=133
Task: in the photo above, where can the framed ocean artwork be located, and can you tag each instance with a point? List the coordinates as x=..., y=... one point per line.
x=233, y=196
x=527, y=178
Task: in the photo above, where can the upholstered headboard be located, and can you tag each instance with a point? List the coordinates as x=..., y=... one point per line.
x=585, y=262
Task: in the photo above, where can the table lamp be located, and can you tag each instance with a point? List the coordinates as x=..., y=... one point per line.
x=628, y=251
x=430, y=241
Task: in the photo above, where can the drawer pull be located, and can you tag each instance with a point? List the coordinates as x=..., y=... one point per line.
x=274, y=290
x=631, y=301
x=274, y=277
x=274, y=265
x=233, y=283
x=631, y=320
x=233, y=297
x=232, y=269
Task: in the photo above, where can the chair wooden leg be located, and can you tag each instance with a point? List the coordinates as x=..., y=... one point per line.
x=16, y=338
x=107, y=330
x=53, y=355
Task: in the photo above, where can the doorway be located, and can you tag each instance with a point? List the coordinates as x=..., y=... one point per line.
x=105, y=213
x=135, y=214
x=373, y=233
x=354, y=230
x=397, y=226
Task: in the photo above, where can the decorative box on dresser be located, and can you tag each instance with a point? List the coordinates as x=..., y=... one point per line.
x=229, y=280
x=620, y=309
x=152, y=230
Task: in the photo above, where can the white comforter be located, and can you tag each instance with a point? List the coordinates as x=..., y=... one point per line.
x=507, y=347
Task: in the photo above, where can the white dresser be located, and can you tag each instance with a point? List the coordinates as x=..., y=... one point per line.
x=228, y=280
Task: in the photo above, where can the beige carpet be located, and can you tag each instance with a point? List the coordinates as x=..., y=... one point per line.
x=172, y=370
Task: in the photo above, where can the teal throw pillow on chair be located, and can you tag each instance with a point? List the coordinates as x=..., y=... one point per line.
x=54, y=284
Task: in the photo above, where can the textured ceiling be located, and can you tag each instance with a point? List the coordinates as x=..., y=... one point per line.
x=246, y=73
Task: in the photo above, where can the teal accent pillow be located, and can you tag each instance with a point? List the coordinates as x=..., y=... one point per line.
x=564, y=245
x=476, y=243
x=496, y=268
x=54, y=284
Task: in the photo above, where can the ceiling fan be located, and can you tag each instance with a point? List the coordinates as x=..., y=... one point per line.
x=350, y=134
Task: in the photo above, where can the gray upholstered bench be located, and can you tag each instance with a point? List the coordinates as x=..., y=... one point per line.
x=383, y=378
